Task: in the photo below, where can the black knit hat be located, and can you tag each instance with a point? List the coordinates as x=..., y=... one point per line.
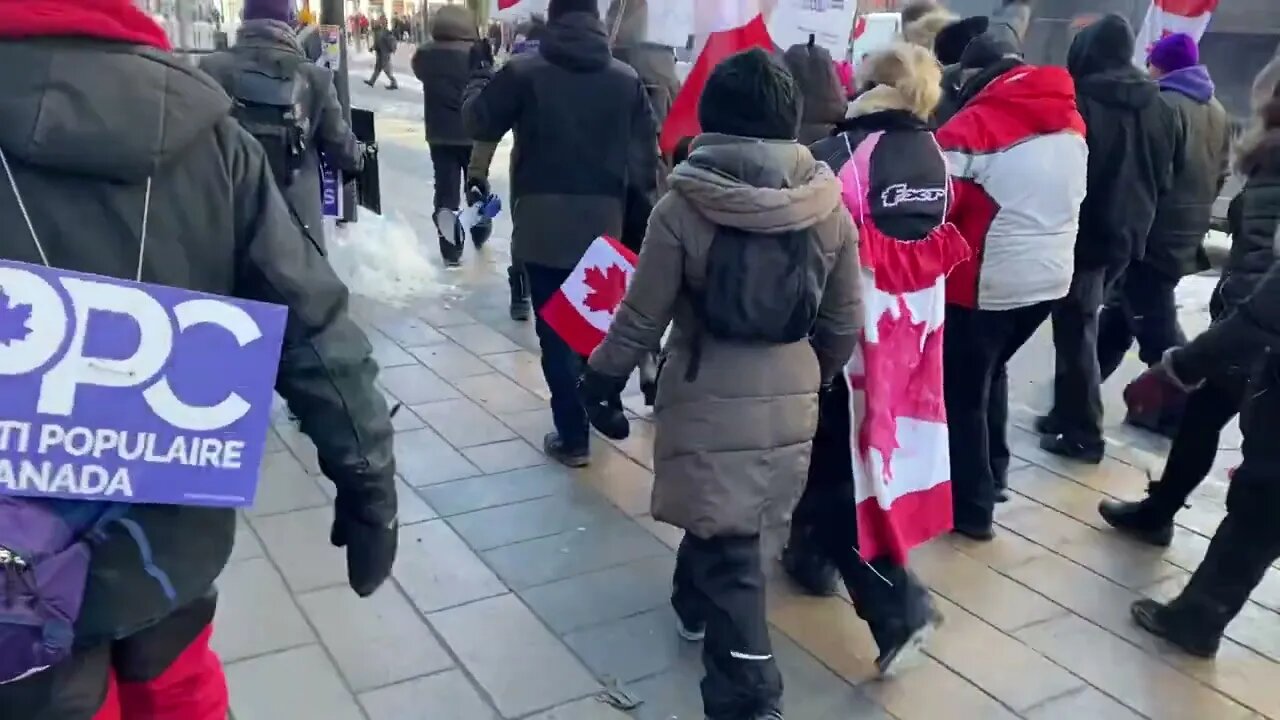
x=751, y=94
x=556, y=8
x=951, y=40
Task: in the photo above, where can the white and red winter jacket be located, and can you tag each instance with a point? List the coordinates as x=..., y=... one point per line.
x=1019, y=166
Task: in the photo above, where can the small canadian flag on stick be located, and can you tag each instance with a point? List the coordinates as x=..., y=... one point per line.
x=582, y=309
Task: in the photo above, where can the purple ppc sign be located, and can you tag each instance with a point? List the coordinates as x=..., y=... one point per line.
x=121, y=391
x=330, y=190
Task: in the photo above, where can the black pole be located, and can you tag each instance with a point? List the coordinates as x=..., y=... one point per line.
x=333, y=12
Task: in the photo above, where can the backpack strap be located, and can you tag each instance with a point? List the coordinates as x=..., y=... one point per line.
x=96, y=534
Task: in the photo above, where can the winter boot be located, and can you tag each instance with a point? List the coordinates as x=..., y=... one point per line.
x=520, y=309
x=902, y=644
x=807, y=567
x=1139, y=520
x=481, y=232
x=1238, y=557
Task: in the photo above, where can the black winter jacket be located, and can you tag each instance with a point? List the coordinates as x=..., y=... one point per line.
x=272, y=46
x=1133, y=136
x=584, y=135
x=1252, y=219
x=444, y=67
x=84, y=126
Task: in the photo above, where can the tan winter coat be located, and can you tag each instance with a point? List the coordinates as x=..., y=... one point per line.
x=733, y=444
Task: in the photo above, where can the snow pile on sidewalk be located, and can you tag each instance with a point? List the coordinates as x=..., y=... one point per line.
x=383, y=258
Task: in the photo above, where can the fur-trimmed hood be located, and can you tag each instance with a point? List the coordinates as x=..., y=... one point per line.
x=922, y=30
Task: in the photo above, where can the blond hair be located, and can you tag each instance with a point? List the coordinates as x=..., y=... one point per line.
x=906, y=76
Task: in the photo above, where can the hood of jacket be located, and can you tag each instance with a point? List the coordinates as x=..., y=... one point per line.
x=1194, y=82
x=1036, y=100
x=1103, y=45
x=102, y=108
x=758, y=185
x=1101, y=61
x=576, y=41
x=268, y=33
x=454, y=22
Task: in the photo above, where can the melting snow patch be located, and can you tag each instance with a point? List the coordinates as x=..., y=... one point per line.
x=383, y=258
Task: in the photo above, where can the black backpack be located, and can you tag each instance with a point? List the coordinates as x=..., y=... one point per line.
x=269, y=103
x=760, y=288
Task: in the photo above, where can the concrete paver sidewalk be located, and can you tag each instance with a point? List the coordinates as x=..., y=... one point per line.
x=523, y=588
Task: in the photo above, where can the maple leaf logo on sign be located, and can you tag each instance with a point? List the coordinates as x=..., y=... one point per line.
x=607, y=288
x=13, y=320
x=903, y=372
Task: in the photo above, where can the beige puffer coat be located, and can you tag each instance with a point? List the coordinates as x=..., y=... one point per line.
x=732, y=447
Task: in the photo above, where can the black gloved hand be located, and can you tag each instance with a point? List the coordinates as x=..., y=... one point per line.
x=601, y=397
x=371, y=544
x=481, y=56
x=370, y=150
x=477, y=190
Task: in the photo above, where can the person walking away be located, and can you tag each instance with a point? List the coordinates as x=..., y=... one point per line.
x=1020, y=223
x=443, y=64
x=384, y=50
x=164, y=162
x=578, y=139
x=1133, y=138
x=527, y=36
x=824, y=101
x=748, y=251
x=1252, y=219
x=656, y=66
x=1142, y=305
x=1247, y=541
x=290, y=105
x=887, y=142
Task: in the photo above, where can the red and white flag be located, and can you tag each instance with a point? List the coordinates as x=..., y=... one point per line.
x=901, y=452
x=723, y=27
x=1168, y=17
x=582, y=309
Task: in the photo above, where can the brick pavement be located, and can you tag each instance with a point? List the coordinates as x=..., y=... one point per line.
x=523, y=586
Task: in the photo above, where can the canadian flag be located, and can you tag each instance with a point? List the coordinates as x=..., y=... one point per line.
x=1167, y=17
x=901, y=451
x=723, y=27
x=582, y=309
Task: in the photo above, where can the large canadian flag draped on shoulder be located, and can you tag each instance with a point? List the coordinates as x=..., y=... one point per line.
x=901, y=455
x=582, y=309
x=723, y=27
x=1167, y=17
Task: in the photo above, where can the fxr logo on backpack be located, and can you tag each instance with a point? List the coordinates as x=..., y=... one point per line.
x=899, y=193
x=125, y=391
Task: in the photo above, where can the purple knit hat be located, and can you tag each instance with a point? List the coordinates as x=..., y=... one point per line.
x=282, y=10
x=1174, y=52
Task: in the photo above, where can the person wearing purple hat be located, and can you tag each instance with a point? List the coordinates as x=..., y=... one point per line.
x=1142, y=306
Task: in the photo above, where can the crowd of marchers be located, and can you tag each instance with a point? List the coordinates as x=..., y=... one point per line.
x=1079, y=195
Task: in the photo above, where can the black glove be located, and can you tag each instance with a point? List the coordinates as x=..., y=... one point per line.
x=601, y=397
x=370, y=150
x=371, y=544
x=477, y=190
x=481, y=56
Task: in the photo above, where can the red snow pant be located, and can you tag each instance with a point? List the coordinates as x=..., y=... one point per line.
x=165, y=672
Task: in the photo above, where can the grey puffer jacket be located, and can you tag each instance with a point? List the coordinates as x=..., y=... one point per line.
x=273, y=46
x=84, y=125
x=733, y=443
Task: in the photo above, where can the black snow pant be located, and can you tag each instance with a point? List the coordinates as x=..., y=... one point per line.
x=382, y=64
x=887, y=596
x=449, y=167
x=1077, y=381
x=1209, y=408
x=1141, y=306
x=719, y=584
x=1248, y=540
x=976, y=350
